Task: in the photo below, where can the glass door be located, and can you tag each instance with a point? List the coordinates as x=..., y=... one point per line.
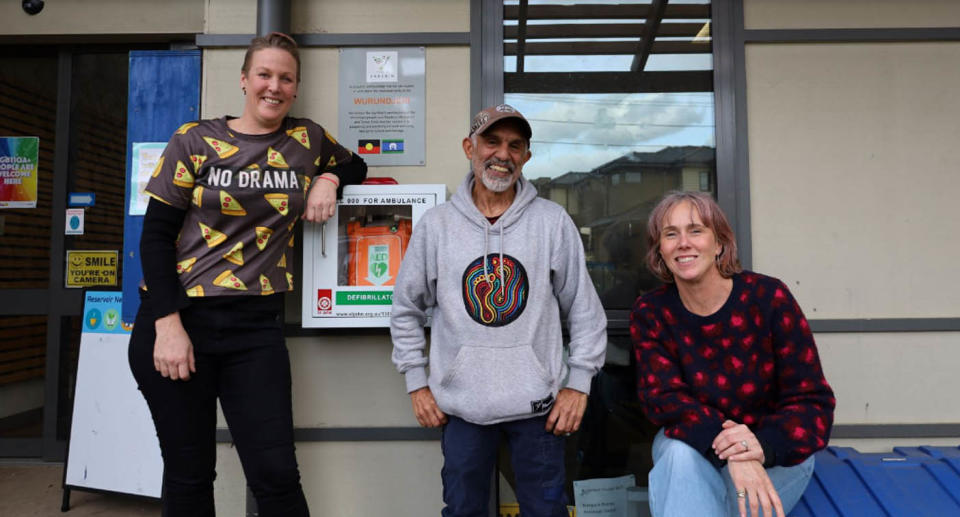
x=63, y=109
x=28, y=116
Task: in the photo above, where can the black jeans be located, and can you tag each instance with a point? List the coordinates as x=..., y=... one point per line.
x=241, y=358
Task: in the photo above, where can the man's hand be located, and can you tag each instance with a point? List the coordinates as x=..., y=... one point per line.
x=737, y=443
x=425, y=408
x=322, y=199
x=751, y=479
x=567, y=412
x=172, y=349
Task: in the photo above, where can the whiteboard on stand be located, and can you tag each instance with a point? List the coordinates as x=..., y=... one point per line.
x=113, y=444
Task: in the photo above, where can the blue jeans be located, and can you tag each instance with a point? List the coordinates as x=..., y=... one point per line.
x=469, y=456
x=684, y=483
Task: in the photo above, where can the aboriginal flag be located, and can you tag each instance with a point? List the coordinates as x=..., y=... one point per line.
x=368, y=147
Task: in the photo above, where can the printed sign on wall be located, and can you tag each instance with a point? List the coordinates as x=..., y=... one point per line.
x=91, y=268
x=19, y=161
x=146, y=157
x=74, y=223
x=101, y=313
x=382, y=104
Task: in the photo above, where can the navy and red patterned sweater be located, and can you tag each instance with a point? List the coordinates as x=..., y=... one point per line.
x=754, y=361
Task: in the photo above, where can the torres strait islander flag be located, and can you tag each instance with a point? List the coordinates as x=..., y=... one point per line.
x=368, y=147
x=392, y=147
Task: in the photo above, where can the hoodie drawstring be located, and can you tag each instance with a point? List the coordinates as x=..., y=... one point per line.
x=486, y=249
x=500, y=222
x=486, y=233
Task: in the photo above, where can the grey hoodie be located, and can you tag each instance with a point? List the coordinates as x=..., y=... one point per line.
x=496, y=349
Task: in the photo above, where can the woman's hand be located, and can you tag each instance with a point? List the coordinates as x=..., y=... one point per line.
x=322, y=198
x=737, y=443
x=173, y=351
x=753, y=486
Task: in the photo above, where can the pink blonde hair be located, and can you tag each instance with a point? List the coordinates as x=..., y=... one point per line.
x=728, y=263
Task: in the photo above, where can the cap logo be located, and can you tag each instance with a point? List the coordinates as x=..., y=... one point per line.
x=505, y=108
x=478, y=121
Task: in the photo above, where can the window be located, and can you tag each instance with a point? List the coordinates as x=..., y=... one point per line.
x=620, y=99
x=610, y=90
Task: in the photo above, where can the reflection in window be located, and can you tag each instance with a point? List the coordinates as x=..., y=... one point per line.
x=607, y=158
x=619, y=95
x=620, y=98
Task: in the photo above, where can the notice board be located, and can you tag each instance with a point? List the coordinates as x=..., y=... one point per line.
x=164, y=92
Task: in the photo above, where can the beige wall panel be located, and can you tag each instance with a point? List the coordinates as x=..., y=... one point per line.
x=852, y=175
x=342, y=381
x=372, y=16
x=221, y=93
x=447, y=117
x=360, y=479
x=231, y=17
x=347, y=381
x=828, y=14
x=350, y=479
x=230, y=487
x=105, y=17
x=892, y=378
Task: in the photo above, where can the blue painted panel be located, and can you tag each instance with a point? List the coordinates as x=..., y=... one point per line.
x=908, y=482
x=164, y=92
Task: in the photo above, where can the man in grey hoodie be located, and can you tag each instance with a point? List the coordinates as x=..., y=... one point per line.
x=497, y=268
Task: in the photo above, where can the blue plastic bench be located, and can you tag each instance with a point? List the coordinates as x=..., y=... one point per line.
x=908, y=482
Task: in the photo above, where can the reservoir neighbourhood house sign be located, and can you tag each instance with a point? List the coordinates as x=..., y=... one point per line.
x=382, y=104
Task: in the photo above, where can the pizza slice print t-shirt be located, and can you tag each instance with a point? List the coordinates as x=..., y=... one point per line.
x=243, y=195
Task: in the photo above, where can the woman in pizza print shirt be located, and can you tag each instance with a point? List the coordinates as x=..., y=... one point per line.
x=216, y=251
x=727, y=366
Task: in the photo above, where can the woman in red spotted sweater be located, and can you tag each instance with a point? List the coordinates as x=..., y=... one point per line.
x=728, y=367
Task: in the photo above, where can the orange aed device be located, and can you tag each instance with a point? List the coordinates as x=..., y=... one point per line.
x=376, y=252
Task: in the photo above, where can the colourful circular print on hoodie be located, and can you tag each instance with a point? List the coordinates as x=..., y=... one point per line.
x=493, y=299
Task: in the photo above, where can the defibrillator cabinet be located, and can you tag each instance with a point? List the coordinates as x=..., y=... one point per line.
x=350, y=262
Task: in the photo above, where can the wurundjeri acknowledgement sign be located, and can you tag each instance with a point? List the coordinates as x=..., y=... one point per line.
x=382, y=104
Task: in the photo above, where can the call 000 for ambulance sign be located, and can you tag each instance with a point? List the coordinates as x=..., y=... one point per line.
x=92, y=268
x=351, y=264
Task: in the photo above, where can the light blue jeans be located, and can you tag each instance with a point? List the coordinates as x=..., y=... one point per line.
x=683, y=483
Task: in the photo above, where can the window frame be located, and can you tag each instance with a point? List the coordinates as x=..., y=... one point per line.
x=729, y=89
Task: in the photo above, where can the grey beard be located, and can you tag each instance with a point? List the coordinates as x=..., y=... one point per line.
x=495, y=184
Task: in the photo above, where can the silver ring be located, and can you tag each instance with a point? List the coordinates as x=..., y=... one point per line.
x=742, y=494
x=745, y=447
